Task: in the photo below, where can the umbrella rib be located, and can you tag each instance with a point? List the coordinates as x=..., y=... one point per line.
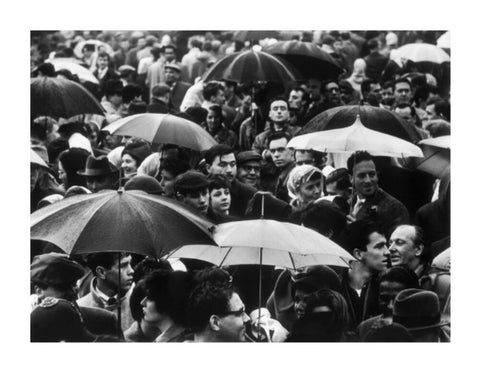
x=225, y=257
x=291, y=259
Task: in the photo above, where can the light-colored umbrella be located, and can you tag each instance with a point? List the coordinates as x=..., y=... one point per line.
x=36, y=159
x=444, y=41
x=354, y=138
x=162, y=129
x=98, y=45
x=422, y=52
x=437, y=156
x=82, y=73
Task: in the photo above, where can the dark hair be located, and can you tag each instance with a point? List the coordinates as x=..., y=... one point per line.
x=365, y=86
x=130, y=91
x=372, y=44
x=218, y=181
x=401, y=274
x=402, y=80
x=217, y=150
x=357, y=234
x=104, y=259
x=104, y=55
x=323, y=216
x=326, y=82
x=406, y=105
x=169, y=46
x=277, y=98
x=174, y=166
x=443, y=107
x=148, y=265
x=213, y=276
x=218, y=110
x=170, y=291
x=136, y=298
x=89, y=47
x=277, y=135
x=438, y=127
x=73, y=160
x=211, y=89
x=358, y=157
x=206, y=300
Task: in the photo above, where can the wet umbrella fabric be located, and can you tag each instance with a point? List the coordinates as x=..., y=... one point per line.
x=162, y=129
x=437, y=156
x=422, y=52
x=36, y=159
x=75, y=68
x=125, y=221
x=376, y=118
x=61, y=98
x=254, y=35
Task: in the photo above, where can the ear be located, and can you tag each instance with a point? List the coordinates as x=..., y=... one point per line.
x=358, y=254
x=214, y=322
x=38, y=291
x=207, y=167
x=180, y=197
x=419, y=249
x=100, y=272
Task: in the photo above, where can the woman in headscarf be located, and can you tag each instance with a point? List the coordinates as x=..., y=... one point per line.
x=305, y=185
x=358, y=75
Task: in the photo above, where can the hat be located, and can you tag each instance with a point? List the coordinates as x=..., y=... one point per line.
x=174, y=66
x=113, y=86
x=246, y=156
x=138, y=150
x=55, y=269
x=56, y=320
x=144, y=183
x=97, y=167
x=315, y=278
x=160, y=90
x=191, y=181
x=417, y=309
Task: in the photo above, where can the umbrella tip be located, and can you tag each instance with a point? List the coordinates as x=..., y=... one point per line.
x=121, y=189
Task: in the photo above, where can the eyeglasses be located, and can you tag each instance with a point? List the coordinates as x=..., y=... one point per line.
x=249, y=168
x=237, y=313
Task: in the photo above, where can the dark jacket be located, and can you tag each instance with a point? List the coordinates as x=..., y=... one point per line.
x=100, y=321
x=241, y=195
x=177, y=93
x=158, y=107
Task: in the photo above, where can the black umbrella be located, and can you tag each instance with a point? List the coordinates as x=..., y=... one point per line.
x=376, y=118
x=307, y=57
x=254, y=35
x=61, y=98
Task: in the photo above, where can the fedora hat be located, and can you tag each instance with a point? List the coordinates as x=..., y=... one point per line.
x=97, y=167
x=417, y=309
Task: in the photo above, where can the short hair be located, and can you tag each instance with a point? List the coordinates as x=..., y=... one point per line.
x=326, y=82
x=104, y=259
x=218, y=110
x=323, y=216
x=218, y=181
x=407, y=105
x=130, y=91
x=358, y=234
x=217, y=150
x=401, y=274
x=211, y=89
x=300, y=89
x=372, y=44
x=438, y=127
x=419, y=238
x=174, y=166
x=88, y=47
x=358, y=157
x=277, y=98
x=402, y=80
x=136, y=298
x=104, y=55
x=206, y=300
x=214, y=276
x=443, y=107
x=169, y=290
x=365, y=86
x=277, y=135
x=169, y=46
x=148, y=265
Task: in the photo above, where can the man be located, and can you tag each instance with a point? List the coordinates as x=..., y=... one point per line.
x=56, y=275
x=100, y=174
x=104, y=72
x=156, y=71
x=402, y=91
x=408, y=113
x=370, y=201
x=280, y=122
x=249, y=165
x=298, y=103
x=191, y=188
x=160, y=98
x=217, y=314
x=371, y=92
x=111, y=286
x=220, y=159
x=112, y=100
x=310, y=157
x=178, y=88
x=338, y=189
x=283, y=160
x=214, y=94
x=376, y=62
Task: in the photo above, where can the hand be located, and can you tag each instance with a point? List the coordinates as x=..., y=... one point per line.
x=350, y=219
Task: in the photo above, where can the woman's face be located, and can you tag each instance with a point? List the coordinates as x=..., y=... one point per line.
x=61, y=173
x=166, y=183
x=213, y=121
x=129, y=165
x=150, y=313
x=310, y=191
x=220, y=200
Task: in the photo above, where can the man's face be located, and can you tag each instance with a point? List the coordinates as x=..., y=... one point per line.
x=171, y=75
x=387, y=96
x=406, y=114
x=116, y=99
x=232, y=326
x=304, y=157
x=99, y=183
x=280, y=154
x=299, y=302
x=167, y=181
x=387, y=293
x=102, y=62
x=314, y=87
x=376, y=255
x=224, y=164
x=249, y=172
x=219, y=98
x=214, y=121
x=170, y=54
x=430, y=110
x=110, y=276
x=375, y=94
x=332, y=92
x=295, y=100
x=220, y=200
x=279, y=112
x=197, y=200
x=402, y=93
x=365, y=178
x=402, y=248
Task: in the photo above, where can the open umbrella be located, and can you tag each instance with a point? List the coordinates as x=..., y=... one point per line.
x=254, y=35
x=98, y=45
x=437, y=156
x=36, y=159
x=75, y=68
x=163, y=128
x=422, y=52
x=376, y=118
x=355, y=137
x=444, y=41
x=307, y=57
x=126, y=221
x=61, y=98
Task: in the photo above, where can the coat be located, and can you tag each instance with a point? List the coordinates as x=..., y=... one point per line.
x=177, y=93
x=241, y=195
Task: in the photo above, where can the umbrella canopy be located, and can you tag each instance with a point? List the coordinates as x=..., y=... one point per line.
x=437, y=156
x=354, y=138
x=75, y=68
x=307, y=57
x=422, y=52
x=267, y=242
x=98, y=45
x=163, y=128
x=251, y=67
x=444, y=41
x=112, y=221
x=254, y=35
x=36, y=159
x=61, y=98
x=376, y=118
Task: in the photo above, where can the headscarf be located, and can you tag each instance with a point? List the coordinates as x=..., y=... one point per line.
x=298, y=176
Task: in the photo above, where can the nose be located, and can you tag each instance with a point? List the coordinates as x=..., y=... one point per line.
x=143, y=302
x=246, y=318
x=390, y=305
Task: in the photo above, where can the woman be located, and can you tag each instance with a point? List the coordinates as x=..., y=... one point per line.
x=215, y=125
x=358, y=75
x=69, y=162
x=220, y=199
x=169, y=169
x=132, y=156
x=305, y=185
x=165, y=303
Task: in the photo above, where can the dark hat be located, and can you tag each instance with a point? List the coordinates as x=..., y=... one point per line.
x=56, y=320
x=45, y=68
x=144, y=183
x=174, y=66
x=246, y=156
x=190, y=181
x=160, y=90
x=113, y=86
x=138, y=150
x=417, y=309
x=315, y=278
x=55, y=269
x=98, y=167
x=389, y=333
x=74, y=159
x=337, y=175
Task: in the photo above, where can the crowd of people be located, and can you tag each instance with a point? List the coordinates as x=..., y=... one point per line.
x=393, y=219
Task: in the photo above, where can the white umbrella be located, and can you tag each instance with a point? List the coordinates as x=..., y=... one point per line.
x=444, y=41
x=75, y=68
x=354, y=138
x=36, y=159
x=437, y=156
x=422, y=52
x=78, y=48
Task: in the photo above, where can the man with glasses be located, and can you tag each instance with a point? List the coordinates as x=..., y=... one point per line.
x=249, y=165
x=217, y=313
